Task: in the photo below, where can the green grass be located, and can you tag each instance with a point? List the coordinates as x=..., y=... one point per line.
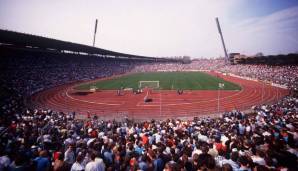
x=167, y=81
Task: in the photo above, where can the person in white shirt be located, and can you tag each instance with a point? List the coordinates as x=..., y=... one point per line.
x=157, y=137
x=197, y=150
x=94, y=165
x=78, y=166
x=100, y=162
x=259, y=158
x=69, y=155
x=232, y=162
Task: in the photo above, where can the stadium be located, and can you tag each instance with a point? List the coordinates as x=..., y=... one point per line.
x=72, y=106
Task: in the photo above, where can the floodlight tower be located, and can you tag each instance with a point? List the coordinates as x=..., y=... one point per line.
x=222, y=39
x=95, y=29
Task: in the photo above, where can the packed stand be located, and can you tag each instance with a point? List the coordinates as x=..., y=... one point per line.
x=198, y=64
x=30, y=73
x=46, y=140
x=285, y=75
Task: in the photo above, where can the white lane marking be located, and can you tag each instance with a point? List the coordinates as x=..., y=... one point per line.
x=86, y=101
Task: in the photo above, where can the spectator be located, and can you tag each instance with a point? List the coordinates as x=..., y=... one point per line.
x=69, y=155
x=59, y=164
x=42, y=162
x=78, y=166
x=93, y=165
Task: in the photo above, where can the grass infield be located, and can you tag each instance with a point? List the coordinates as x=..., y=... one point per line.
x=167, y=81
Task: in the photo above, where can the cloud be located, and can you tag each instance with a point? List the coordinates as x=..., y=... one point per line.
x=272, y=34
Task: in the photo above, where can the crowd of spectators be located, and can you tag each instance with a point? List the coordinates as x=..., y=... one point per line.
x=285, y=75
x=46, y=140
x=198, y=64
x=31, y=73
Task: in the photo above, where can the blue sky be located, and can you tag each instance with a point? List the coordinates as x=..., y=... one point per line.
x=255, y=8
x=161, y=27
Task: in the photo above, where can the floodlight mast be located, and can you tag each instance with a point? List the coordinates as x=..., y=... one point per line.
x=95, y=29
x=222, y=39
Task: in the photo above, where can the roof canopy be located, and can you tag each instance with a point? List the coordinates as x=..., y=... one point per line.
x=28, y=40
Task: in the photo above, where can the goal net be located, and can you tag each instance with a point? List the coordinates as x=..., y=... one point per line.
x=149, y=84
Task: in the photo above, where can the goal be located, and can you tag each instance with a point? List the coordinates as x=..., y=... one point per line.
x=149, y=84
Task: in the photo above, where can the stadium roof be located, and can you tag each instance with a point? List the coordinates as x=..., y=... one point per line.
x=28, y=40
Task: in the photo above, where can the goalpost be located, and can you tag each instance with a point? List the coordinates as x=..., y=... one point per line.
x=149, y=84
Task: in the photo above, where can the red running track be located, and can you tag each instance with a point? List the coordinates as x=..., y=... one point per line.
x=165, y=104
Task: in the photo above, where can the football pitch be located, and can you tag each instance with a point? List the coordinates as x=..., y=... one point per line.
x=167, y=81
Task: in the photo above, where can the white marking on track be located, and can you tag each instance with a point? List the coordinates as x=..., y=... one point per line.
x=100, y=103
